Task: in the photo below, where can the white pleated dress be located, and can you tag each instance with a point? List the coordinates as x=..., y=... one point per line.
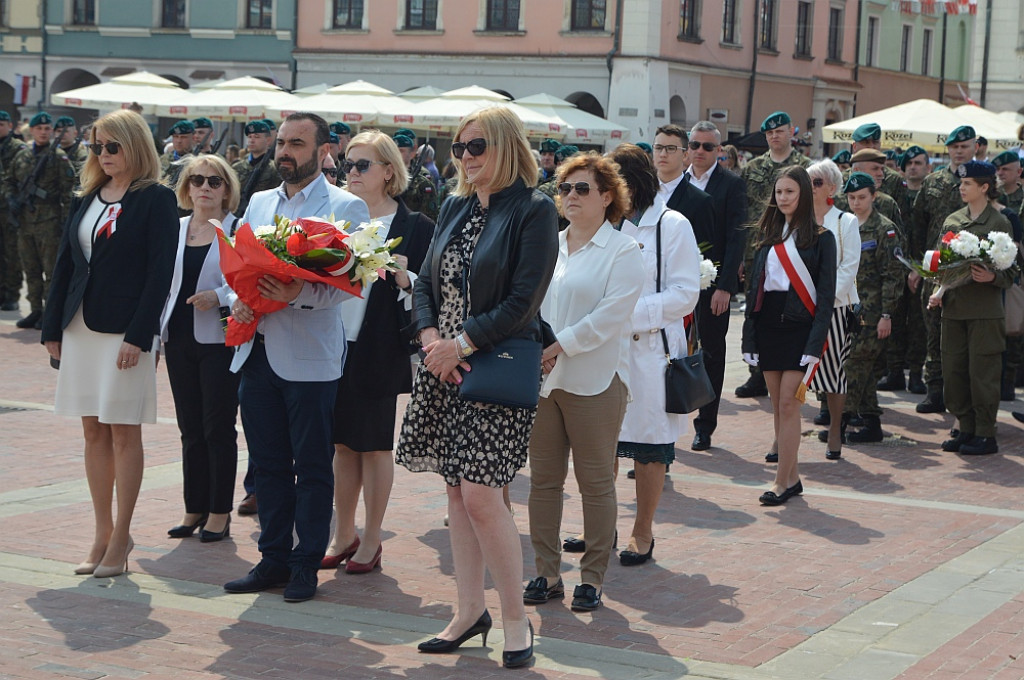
x=89, y=382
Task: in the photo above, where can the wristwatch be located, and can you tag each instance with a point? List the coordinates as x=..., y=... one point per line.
x=886, y=316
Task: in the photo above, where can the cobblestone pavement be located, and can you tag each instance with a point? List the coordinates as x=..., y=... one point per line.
x=899, y=561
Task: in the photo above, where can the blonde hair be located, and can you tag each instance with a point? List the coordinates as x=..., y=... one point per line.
x=130, y=130
x=387, y=151
x=509, y=154
x=232, y=190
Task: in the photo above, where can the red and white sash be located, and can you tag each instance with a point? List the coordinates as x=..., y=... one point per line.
x=803, y=286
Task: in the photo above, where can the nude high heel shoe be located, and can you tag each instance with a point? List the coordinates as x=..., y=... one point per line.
x=121, y=567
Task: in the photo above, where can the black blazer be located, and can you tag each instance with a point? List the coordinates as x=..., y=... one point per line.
x=512, y=265
x=378, y=361
x=728, y=192
x=697, y=207
x=123, y=286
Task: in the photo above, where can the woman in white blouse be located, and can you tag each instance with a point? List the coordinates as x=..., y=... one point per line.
x=649, y=433
x=597, y=280
x=830, y=377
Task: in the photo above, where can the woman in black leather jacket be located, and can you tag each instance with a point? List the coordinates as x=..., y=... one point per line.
x=790, y=294
x=482, y=281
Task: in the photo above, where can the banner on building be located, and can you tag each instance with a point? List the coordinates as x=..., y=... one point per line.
x=936, y=6
x=22, y=84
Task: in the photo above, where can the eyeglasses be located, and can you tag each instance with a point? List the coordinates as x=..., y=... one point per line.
x=330, y=172
x=582, y=188
x=667, y=148
x=474, y=146
x=111, y=147
x=817, y=182
x=707, y=146
x=362, y=165
x=723, y=159
x=199, y=180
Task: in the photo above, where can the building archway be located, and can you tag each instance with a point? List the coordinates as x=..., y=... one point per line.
x=175, y=79
x=502, y=92
x=7, y=101
x=585, y=101
x=71, y=79
x=677, y=111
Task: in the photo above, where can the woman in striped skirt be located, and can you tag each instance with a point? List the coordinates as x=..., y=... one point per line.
x=830, y=377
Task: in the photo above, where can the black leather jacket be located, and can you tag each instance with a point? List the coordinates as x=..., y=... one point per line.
x=820, y=260
x=511, y=269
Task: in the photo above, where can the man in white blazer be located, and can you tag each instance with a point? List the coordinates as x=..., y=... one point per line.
x=290, y=372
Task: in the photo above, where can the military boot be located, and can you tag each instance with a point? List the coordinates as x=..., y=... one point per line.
x=916, y=385
x=870, y=433
x=892, y=381
x=823, y=417
x=933, y=403
x=754, y=387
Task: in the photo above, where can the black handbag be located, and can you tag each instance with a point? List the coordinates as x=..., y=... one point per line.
x=687, y=385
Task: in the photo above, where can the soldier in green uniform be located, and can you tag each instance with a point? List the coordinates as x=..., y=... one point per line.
x=759, y=175
x=10, y=262
x=256, y=171
x=938, y=198
x=343, y=134
x=42, y=211
x=869, y=136
x=422, y=194
x=548, y=166
x=973, y=321
x=872, y=162
x=203, y=134
x=1008, y=173
x=550, y=187
x=182, y=135
x=842, y=160
x=879, y=283
x=71, y=143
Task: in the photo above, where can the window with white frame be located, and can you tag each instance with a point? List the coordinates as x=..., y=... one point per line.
x=871, y=55
x=172, y=13
x=730, y=22
x=835, y=33
x=804, y=24
x=769, y=17
x=260, y=14
x=83, y=12
x=502, y=15
x=905, y=45
x=421, y=15
x=689, y=19
x=926, y=51
x=588, y=15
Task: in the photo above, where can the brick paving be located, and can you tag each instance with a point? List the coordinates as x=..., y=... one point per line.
x=865, y=576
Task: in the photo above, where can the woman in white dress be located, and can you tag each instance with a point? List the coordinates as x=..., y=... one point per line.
x=102, y=319
x=648, y=433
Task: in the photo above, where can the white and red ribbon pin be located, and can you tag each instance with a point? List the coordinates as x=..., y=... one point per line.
x=110, y=225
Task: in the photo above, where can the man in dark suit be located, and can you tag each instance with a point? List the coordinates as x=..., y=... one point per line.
x=726, y=237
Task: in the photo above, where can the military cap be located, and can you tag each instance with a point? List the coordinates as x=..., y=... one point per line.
x=868, y=155
x=565, y=151
x=182, y=127
x=407, y=132
x=842, y=158
x=549, y=145
x=1005, y=158
x=976, y=169
x=964, y=133
x=646, y=147
x=340, y=128
x=257, y=127
x=5, y=116
x=65, y=121
x=776, y=120
x=911, y=153
x=867, y=131
x=858, y=181
x=333, y=138
x=891, y=155
x=403, y=141
x=271, y=125
x=203, y=122
x=41, y=118
x=982, y=141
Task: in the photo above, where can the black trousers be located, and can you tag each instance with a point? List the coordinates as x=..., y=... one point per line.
x=206, y=404
x=713, y=330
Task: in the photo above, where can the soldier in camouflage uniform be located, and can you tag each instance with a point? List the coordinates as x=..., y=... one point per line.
x=182, y=134
x=1012, y=196
x=760, y=174
x=872, y=162
x=869, y=136
x=256, y=171
x=548, y=164
x=879, y=283
x=70, y=143
x=422, y=194
x=842, y=160
x=938, y=199
x=10, y=262
x=343, y=133
x=41, y=216
x=203, y=134
x=550, y=187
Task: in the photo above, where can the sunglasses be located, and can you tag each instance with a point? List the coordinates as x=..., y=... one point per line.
x=667, y=148
x=474, y=146
x=216, y=181
x=329, y=172
x=723, y=159
x=111, y=147
x=362, y=165
x=707, y=146
x=582, y=188
x=817, y=182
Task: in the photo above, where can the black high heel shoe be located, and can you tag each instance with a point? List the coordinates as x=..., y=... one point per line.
x=628, y=558
x=186, y=530
x=440, y=646
x=520, y=657
x=212, y=536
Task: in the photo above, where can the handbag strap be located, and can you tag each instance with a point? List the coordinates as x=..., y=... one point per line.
x=657, y=289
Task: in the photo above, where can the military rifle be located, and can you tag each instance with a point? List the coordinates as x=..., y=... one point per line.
x=29, y=189
x=198, y=148
x=250, y=183
x=417, y=163
x=220, y=140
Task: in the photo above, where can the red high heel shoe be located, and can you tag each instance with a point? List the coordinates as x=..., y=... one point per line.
x=334, y=561
x=364, y=567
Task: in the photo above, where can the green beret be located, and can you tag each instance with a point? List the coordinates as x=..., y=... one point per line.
x=912, y=152
x=333, y=138
x=565, y=151
x=182, y=127
x=842, y=158
x=858, y=181
x=257, y=127
x=776, y=120
x=867, y=131
x=340, y=128
x=1005, y=158
x=407, y=132
x=549, y=146
x=891, y=155
x=202, y=123
x=403, y=141
x=41, y=118
x=982, y=141
x=5, y=116
x=976, y=169
x=271, y=125
x=964, y=133
x=65, y=121
x=646, y=147
x=873, y=155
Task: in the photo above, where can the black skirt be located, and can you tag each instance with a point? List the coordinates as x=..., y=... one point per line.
x=780, y=341
x=363, y=423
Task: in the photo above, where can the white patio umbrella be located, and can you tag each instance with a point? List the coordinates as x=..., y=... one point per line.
x=418, y=94
x=1000, y=132
x=311, y=90
x=444, y=113
x=241, y=99
x=148, y=90
x=581, y=127
x=923, y=122
x=358, y=103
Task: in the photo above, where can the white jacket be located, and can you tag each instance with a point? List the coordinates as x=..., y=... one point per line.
x=846, y=228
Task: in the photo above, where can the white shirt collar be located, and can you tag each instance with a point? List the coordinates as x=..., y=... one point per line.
x=694, y=177
x=666, y=189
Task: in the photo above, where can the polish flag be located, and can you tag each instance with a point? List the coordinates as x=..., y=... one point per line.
x=22, y=84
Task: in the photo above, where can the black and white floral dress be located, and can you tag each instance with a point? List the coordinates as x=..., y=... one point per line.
x=481, y=443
